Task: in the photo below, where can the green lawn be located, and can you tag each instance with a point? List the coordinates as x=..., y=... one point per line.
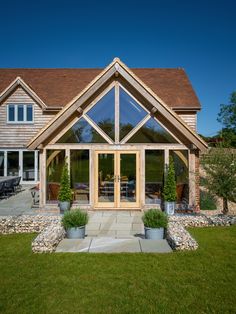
x=203, y=281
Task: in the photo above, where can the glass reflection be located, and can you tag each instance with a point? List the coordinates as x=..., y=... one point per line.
x=54, y=164
x=180, y=158
x=131, y=113
x=152, y=132
x=81, y=132
x=154, y=175
x=79, y=170
x=106, y=177
x=128, y=177
x=28, y=166
x=1, y=163
x=12, y=163
x=103, y=113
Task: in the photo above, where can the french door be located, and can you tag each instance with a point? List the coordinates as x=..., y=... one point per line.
x=117, y=179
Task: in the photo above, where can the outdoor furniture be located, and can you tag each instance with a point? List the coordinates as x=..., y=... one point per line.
x=16, y=184
x=53, y=191
x=35, y=195
x=2, y=187
x=10, y=185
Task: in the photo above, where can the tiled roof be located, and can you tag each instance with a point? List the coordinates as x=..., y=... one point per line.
x=56, y=87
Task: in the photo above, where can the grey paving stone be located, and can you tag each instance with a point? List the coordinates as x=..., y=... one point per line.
x=155, y=246
x=111, y=245
x=74, y=245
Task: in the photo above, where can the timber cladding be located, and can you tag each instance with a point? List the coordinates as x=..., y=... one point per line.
x=18, y=135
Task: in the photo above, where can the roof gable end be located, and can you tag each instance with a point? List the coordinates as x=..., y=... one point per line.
x=116, y=68
x=18, y=82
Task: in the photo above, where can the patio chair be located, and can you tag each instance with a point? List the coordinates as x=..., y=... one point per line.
x=9, y=188
x=16, y=183
x=2, y=190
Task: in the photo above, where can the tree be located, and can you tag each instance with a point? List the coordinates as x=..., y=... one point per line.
x=220, y=167
x=227, y=116
x=169, y=192
x=65, y=194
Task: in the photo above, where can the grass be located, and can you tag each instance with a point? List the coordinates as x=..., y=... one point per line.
x=203, y=281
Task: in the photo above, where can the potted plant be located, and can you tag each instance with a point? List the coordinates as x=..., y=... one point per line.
x=169, y=191
x=65, y=194
x=154, y=223
x=74, y=222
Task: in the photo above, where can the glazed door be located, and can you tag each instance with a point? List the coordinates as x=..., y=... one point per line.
x=117, y=179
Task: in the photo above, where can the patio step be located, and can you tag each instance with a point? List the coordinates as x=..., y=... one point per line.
x=113, y=245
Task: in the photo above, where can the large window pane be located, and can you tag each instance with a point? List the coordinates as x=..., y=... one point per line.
x=131, y=113
x=20, y=113
x=11, y=113
x=29, y=113
x=54, y=164
x=79, y=169
x=154, y=176
x=106, y=178
x=181, y=165
x=1, y=163
x=103, y=113
x=12, y=163
x=81, y=132
x=152, y=132
x=128, y=178
x=28, y=166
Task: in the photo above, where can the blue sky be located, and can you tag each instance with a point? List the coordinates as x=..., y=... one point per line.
x=199, y=36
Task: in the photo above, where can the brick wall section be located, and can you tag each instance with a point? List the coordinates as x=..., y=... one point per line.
x=197, y=178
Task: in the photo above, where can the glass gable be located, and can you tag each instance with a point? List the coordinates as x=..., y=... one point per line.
x=103, y=113
x=81, y=132
x=152, y=132
x=131, y=113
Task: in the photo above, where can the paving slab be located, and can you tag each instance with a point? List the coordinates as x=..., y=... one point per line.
x=137, y=227
x=92, y=226
x=111, y=245
x=74, y=245
x=154, y=246
x=128, y=219
x=116, y=226
x=126, y=233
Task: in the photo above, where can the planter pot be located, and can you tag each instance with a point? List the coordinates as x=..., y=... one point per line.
x=76, y=233
x=170, y=208
x=154, y=233
x=64, y=206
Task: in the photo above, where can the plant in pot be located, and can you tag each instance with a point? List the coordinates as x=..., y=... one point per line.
x=74, y=222
x=65, y=194
x=169, y=191
x=154, y=221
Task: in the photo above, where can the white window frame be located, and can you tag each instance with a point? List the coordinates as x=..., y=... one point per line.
x=20, y=151
x=24, y=113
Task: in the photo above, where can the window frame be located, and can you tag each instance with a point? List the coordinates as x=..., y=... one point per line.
x=25, y=107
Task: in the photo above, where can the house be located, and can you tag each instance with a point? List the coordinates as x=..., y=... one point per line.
x=117, y=127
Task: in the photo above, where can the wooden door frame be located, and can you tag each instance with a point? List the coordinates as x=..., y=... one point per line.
x=117, y=204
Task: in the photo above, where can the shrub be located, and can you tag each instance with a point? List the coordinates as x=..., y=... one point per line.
x=74, y=218
x=169, y=193
x=154, y=218
x=207, y=201
x=65, y=194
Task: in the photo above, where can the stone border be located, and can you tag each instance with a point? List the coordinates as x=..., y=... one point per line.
x=180, y=239
x=51, y=232
x=49, y=228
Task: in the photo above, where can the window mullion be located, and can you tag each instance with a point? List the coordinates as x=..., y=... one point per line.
x=117, y=114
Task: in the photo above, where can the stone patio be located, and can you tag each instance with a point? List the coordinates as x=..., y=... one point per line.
x=117, y=224
x=114, y=232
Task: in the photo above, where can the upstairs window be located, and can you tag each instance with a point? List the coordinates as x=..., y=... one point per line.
x=20, y=113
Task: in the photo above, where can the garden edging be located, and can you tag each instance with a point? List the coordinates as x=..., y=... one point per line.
x=51, y=231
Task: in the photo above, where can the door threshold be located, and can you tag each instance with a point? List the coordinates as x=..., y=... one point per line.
x=117, y=209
